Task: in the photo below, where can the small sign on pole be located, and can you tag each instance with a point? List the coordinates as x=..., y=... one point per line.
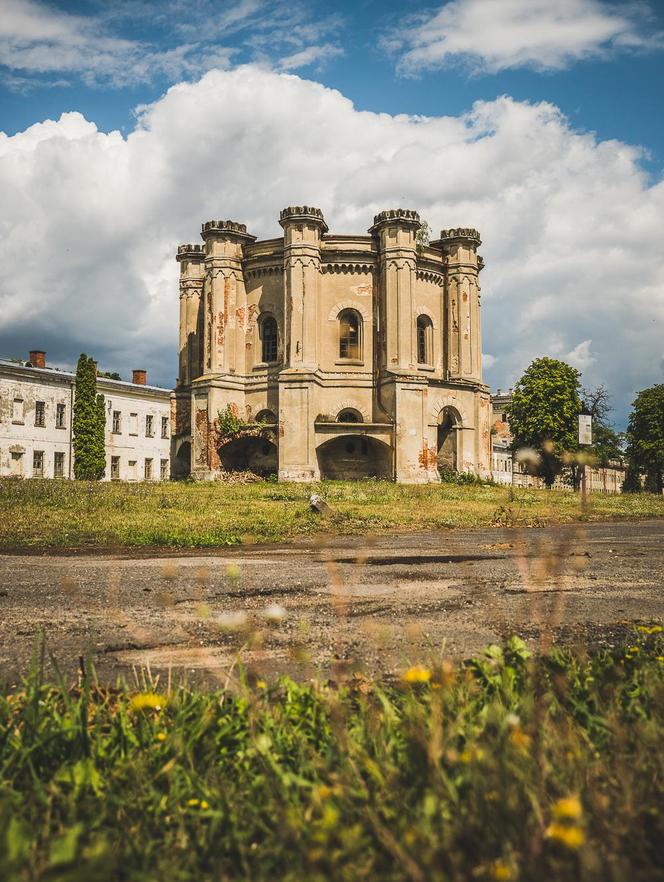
x=585, y=428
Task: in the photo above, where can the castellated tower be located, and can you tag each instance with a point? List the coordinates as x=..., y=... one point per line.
x=338, y=356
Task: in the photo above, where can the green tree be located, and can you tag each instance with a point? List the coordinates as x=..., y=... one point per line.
x=89, y=423
x=645, y=436
x=544, y=413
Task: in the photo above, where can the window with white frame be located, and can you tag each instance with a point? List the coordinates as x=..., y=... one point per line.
x=60, y=416
x=40, y=414
x=164, y=427
x=149, y=426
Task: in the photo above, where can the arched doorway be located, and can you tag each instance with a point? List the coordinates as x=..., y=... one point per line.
x=182, y=462
x=249, y=454
x=353, y=457
x=449, y=440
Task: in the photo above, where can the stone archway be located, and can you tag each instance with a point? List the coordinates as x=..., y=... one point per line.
x=354, y=457
x=249, y=454
x=182, y=461
x=448, y=443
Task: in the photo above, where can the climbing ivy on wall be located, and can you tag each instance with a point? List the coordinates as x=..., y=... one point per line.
x=89, y=423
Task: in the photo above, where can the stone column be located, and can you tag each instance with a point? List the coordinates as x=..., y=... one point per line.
x=225, y=296
x=192, y=276
x=463, y=344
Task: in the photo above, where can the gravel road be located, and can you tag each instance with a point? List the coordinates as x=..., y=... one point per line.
x=375, y=603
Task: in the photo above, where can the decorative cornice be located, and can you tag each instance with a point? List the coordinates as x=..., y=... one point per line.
x=238, y=231
x=190, y=252
x=428, y=276
x=398, y=216
x=461, y=233
x=334, y=267
x=257, y=271
x=302, y=213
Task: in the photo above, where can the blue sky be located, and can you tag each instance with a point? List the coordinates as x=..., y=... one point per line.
x=558, y=106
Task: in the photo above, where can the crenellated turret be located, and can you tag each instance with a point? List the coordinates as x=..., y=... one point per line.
x=396, y=231
x=463, y=342
x=192, y=276
x=303, y=227
x=225, y=295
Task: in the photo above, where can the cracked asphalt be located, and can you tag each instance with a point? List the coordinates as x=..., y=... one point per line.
x=311, y=609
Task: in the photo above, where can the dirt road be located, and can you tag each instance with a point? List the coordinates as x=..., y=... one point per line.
x=378, y=603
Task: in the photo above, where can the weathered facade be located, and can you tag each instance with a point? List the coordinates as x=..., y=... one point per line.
x=36, y=407
x=359, y=356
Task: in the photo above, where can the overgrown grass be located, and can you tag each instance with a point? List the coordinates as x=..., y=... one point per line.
x=507, y=767
x=78, y=514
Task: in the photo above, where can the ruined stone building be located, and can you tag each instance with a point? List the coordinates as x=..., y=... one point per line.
x=36, y=407
x=336, y=356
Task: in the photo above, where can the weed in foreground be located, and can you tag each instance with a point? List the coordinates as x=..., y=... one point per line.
x=505, y=767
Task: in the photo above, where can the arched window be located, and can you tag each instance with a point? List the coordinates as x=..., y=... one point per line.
x=350, y=335
x=268, y=334
x=349, y=415
x=424, y=340
x=267, y=417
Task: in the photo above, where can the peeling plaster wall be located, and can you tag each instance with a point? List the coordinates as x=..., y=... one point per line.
x=22, y=437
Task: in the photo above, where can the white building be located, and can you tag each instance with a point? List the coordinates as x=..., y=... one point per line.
x=36, y=406
x=506, y=470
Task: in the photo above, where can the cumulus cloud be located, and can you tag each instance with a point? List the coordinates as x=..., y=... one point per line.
x=571, y=225
x=490, y=36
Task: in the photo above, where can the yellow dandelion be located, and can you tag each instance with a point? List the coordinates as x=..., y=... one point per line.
x=261, y=684
x=147, y=700
x=160, y=736
x=500, y=871
x=192, y=803
x=205, y=804
x=416, y=674
x=519, y=739
x=323, y=792
x=568, y=808
x=570, y=836
x=649, y=629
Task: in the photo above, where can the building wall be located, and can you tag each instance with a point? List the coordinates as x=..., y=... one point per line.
x=131, y=447
x=20, y=435
x=305, y=280
x=24, y=389
x=505, y=470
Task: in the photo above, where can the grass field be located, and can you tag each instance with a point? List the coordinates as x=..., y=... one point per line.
x=506, y=767
x=78, y=514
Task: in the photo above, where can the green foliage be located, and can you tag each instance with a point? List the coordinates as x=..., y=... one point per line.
x=506, y=767
x=544, y=412
x=71, y=514
x=229, y=421
x=422, y=237
x=89, y=423
x=110, y=375
x=645, y=436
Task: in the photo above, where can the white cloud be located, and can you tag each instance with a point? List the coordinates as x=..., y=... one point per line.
x=495, y=35
x=310, y=55
x=580, y=357
x=571, y=226
x=37, y=39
